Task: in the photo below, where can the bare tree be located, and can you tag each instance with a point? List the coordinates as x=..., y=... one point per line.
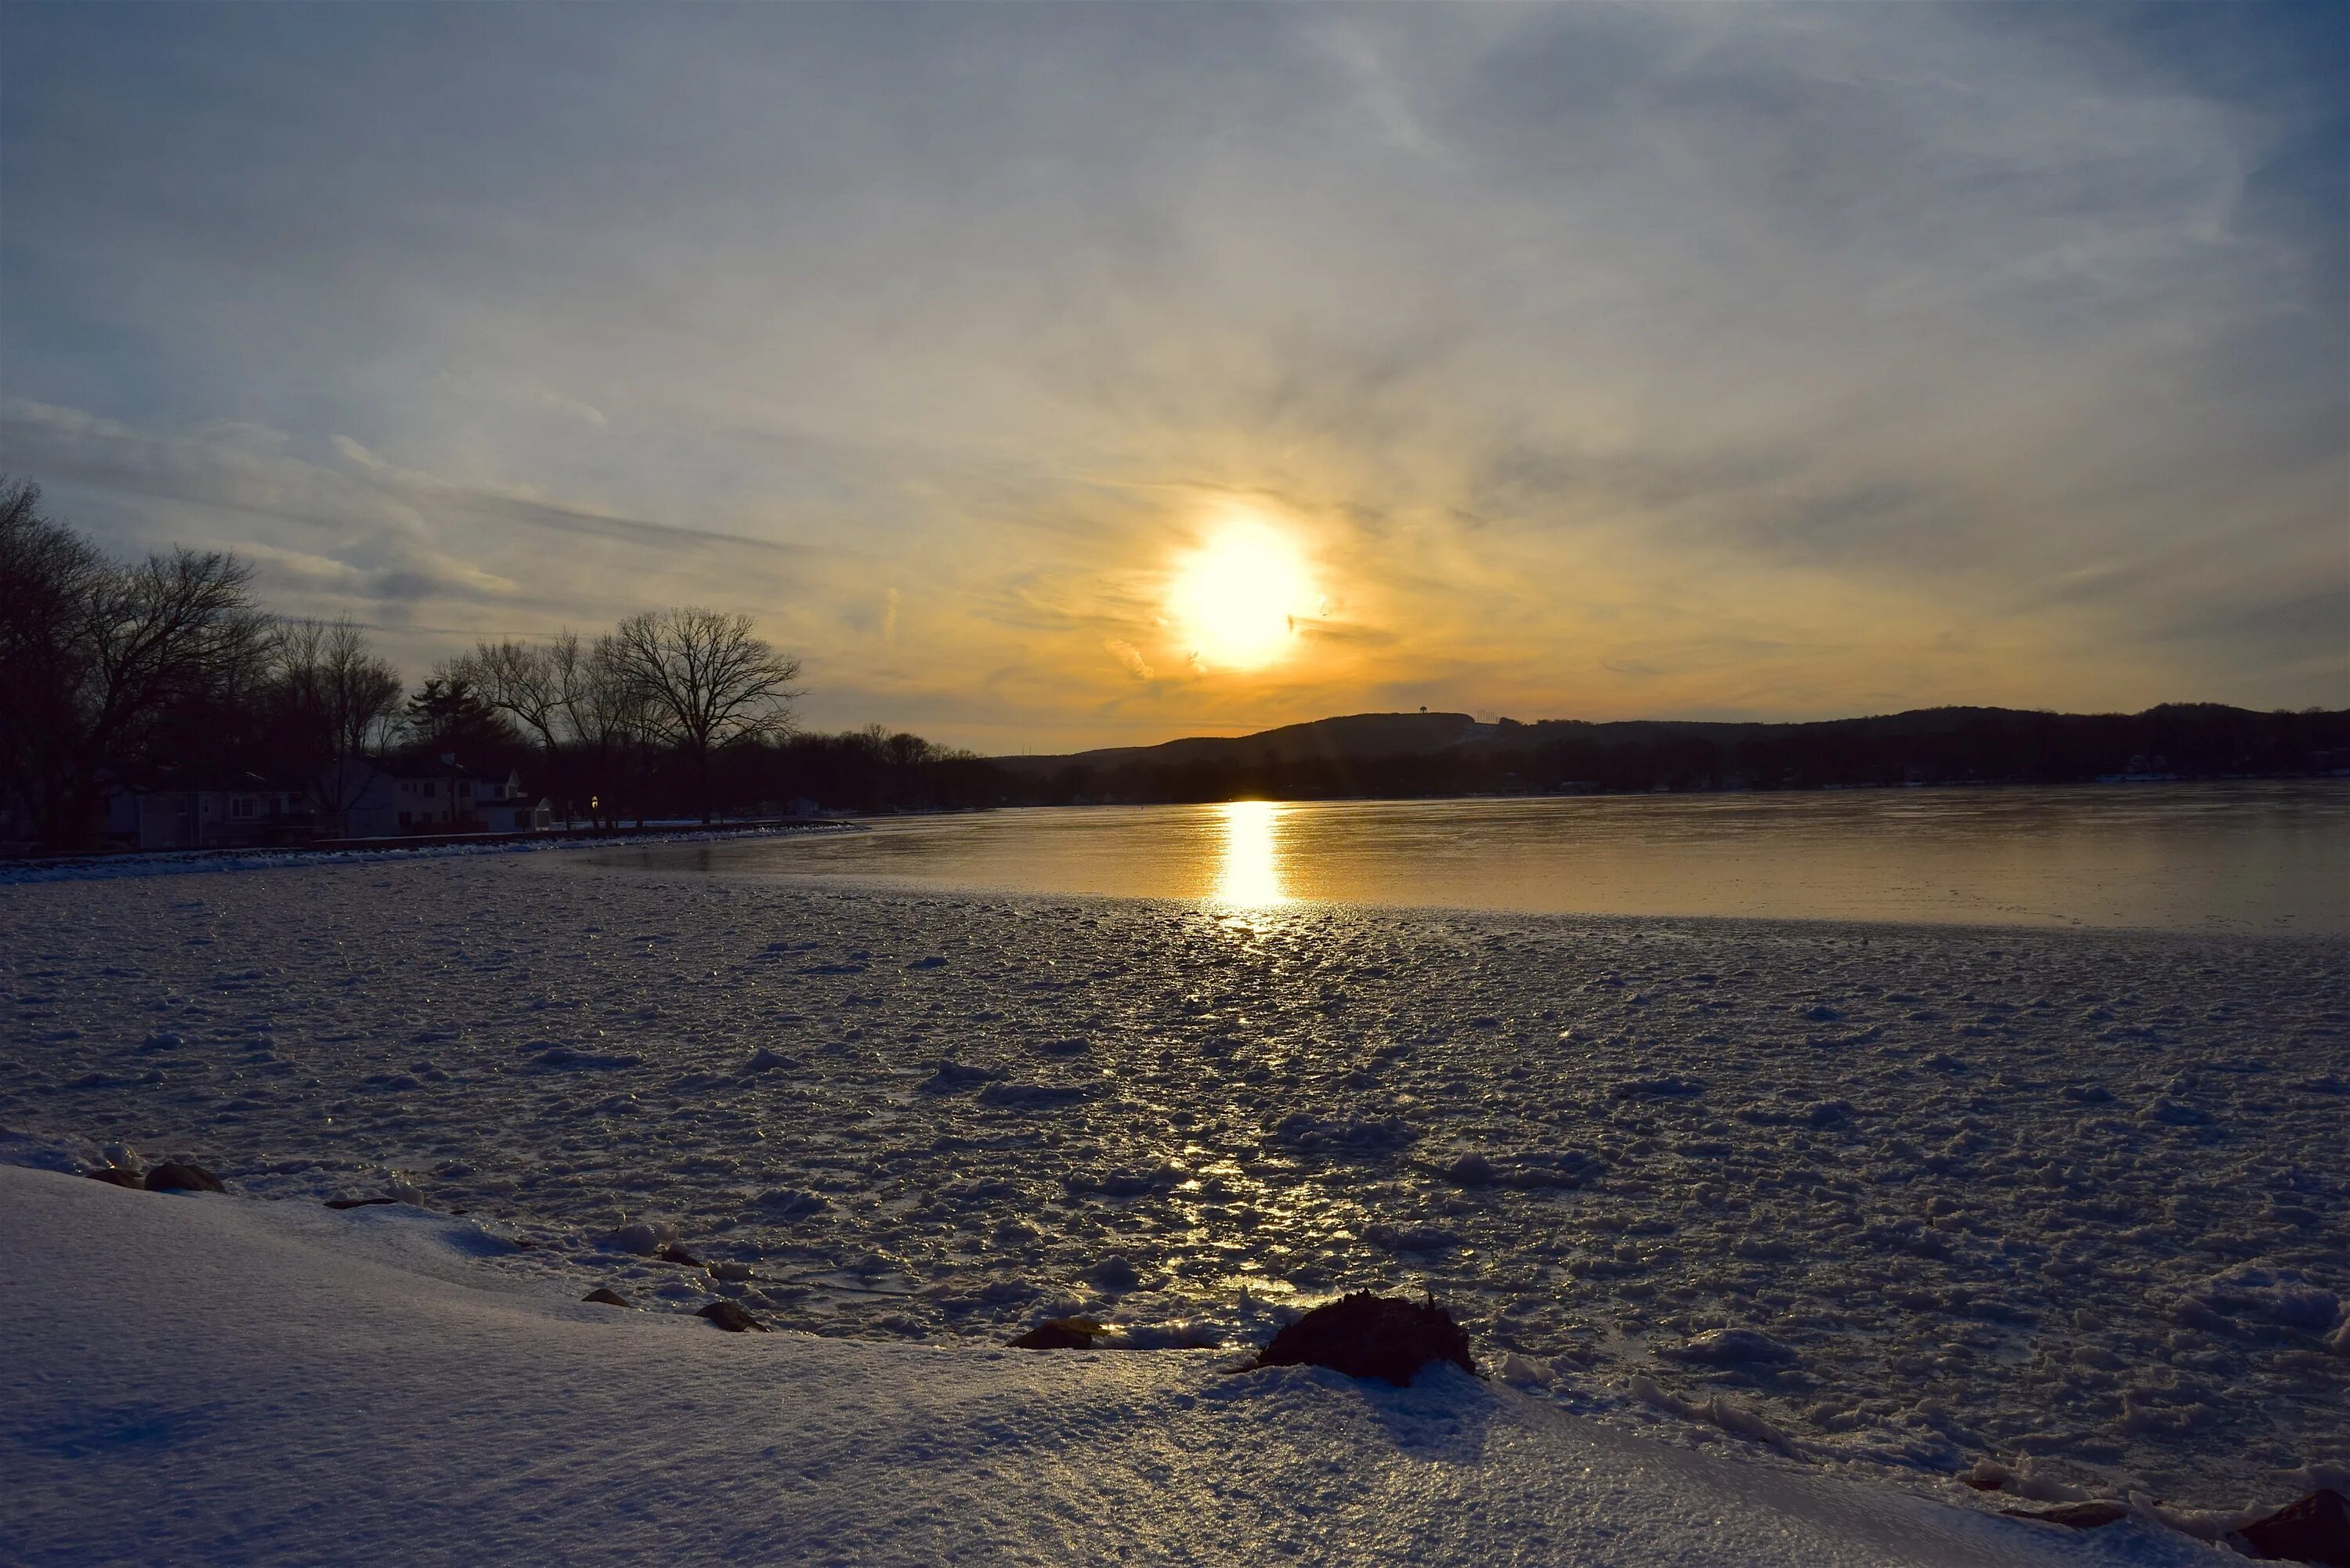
x=48, y=576
x=706, y=679
x=542, y=685
x=99, y=657
x=611, y=720
x=339, y=698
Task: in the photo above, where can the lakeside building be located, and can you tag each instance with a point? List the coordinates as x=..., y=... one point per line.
x=380, y=797
x=385, y=797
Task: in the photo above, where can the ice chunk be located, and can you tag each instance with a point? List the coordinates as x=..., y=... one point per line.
x=1733, y=1347
x=788, y=1202
x=1032, y=1096
x=954, y=1077
x=571, y=1059
x=1342, y=1135
x=639, y=1238
x=1665, y=1086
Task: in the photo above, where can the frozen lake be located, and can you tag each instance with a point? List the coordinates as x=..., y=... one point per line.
x=2265, y=856
x=1917, y=1194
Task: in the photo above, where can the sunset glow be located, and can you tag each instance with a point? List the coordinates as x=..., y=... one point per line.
x=1237, y=601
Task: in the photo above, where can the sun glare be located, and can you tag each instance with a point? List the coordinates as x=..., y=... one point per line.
x=1238, y=597
x=1249, y=869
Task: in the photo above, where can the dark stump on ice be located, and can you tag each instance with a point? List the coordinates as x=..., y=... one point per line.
x=173, y=1175
x=1364, y=1335
x=115, y=1176
x=732, y=1318
x=1061, y=1334
x=2314, y=1530
x=605, y=1295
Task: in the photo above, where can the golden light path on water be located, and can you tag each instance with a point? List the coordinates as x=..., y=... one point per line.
x=1249, y=873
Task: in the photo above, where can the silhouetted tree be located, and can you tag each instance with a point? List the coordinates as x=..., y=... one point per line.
x=333, y=700
x=706, y=679
x=541, y=686
x=446, y=715
x=101, y=656
x=48, y=576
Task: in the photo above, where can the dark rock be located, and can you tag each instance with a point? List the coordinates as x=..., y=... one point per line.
x=732, y=1318
x=115, y=1176
x=673, y=1254
x=2079, y=1515
x=357, y=1202
x=172, y=1175
x=605, y=1295
x=765, y=1061
x=1061, y=1334
x=2314, y=1530
x=1367, y=1335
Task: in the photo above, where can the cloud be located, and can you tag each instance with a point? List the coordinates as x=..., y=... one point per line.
x=1609, y=359
x=569, y=408
x=1130, y=659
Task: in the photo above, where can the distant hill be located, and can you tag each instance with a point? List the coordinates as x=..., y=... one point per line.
x=1450, y=753
x=1355, y=736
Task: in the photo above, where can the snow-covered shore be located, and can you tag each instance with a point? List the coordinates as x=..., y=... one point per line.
x=204, y=1380
x=1893, y=1200
x=118, y=866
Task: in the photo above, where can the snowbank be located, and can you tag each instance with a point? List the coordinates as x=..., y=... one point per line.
x=198, y=1380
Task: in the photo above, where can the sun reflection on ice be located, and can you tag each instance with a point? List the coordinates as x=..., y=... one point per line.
x=1249, y=874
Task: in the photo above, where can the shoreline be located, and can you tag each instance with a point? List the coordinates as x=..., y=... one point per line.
x=29, y=870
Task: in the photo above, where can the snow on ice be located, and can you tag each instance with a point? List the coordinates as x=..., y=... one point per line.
x=271, y=1384
x=2071, y=1203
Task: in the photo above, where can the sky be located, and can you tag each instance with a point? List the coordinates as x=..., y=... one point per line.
x=1090, y=374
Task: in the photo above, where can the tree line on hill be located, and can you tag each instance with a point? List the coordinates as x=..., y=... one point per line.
x=1929, y=746
x=168, y=673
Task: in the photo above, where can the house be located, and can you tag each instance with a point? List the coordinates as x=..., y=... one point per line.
x=385, y=797
x=241, y=810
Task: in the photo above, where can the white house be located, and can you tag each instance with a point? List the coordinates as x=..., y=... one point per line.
x=388, y=796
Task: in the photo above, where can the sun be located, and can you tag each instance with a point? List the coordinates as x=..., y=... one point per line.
x=1238, y=597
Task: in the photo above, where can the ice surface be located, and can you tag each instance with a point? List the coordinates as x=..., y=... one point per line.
x=1968, y=1208
x=216, y=1381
